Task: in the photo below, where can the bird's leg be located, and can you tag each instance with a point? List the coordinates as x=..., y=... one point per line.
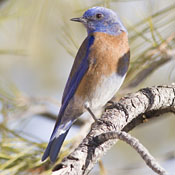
x=92, y=114
x=86, y=105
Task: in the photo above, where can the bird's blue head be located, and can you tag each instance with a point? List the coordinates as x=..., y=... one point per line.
x=100, y=19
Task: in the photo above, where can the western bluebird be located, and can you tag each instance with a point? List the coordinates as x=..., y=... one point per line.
x=98, y=71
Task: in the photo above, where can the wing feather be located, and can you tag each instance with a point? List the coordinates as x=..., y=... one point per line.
x=79, y=68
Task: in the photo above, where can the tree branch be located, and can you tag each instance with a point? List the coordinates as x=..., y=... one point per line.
x=133, y=142
x=131, y=110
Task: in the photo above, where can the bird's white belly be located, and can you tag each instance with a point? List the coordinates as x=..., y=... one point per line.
x=105, y=90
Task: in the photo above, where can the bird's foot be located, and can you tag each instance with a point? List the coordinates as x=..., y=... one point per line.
x=110, y=105
x=118, y=106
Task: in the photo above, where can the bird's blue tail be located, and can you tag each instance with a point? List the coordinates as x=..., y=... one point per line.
x=53, y=147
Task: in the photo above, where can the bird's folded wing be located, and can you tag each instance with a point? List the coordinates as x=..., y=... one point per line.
x=79, y=69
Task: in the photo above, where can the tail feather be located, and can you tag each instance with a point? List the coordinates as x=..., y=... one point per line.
x=54, y=147
x=47, y=151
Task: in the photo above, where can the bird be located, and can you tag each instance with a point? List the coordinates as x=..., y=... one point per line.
x=98, y=71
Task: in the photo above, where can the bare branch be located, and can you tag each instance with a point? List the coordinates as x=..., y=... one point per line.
x=134, y=109
x=133, y=142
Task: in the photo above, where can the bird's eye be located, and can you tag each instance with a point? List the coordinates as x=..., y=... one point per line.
x=99, y=16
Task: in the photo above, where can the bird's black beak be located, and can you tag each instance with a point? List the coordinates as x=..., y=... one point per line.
x=81, y=19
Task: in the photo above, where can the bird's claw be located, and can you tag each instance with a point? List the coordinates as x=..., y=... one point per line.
x=118, y=106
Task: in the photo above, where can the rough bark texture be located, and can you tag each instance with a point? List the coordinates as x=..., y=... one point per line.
x=131, y=110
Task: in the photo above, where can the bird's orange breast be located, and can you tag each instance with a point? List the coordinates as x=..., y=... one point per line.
x=105, y=57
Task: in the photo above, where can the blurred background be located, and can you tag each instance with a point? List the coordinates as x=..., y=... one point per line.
x=38, y=44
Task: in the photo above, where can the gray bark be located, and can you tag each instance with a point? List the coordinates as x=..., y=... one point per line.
x=130, y=111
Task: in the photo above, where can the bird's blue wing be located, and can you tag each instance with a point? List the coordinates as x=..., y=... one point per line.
x=80, y=65
x=79, y=68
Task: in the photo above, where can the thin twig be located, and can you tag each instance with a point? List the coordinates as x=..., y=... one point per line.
x=133, y=142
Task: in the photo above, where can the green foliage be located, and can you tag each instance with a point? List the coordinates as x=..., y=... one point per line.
x=19, y=154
